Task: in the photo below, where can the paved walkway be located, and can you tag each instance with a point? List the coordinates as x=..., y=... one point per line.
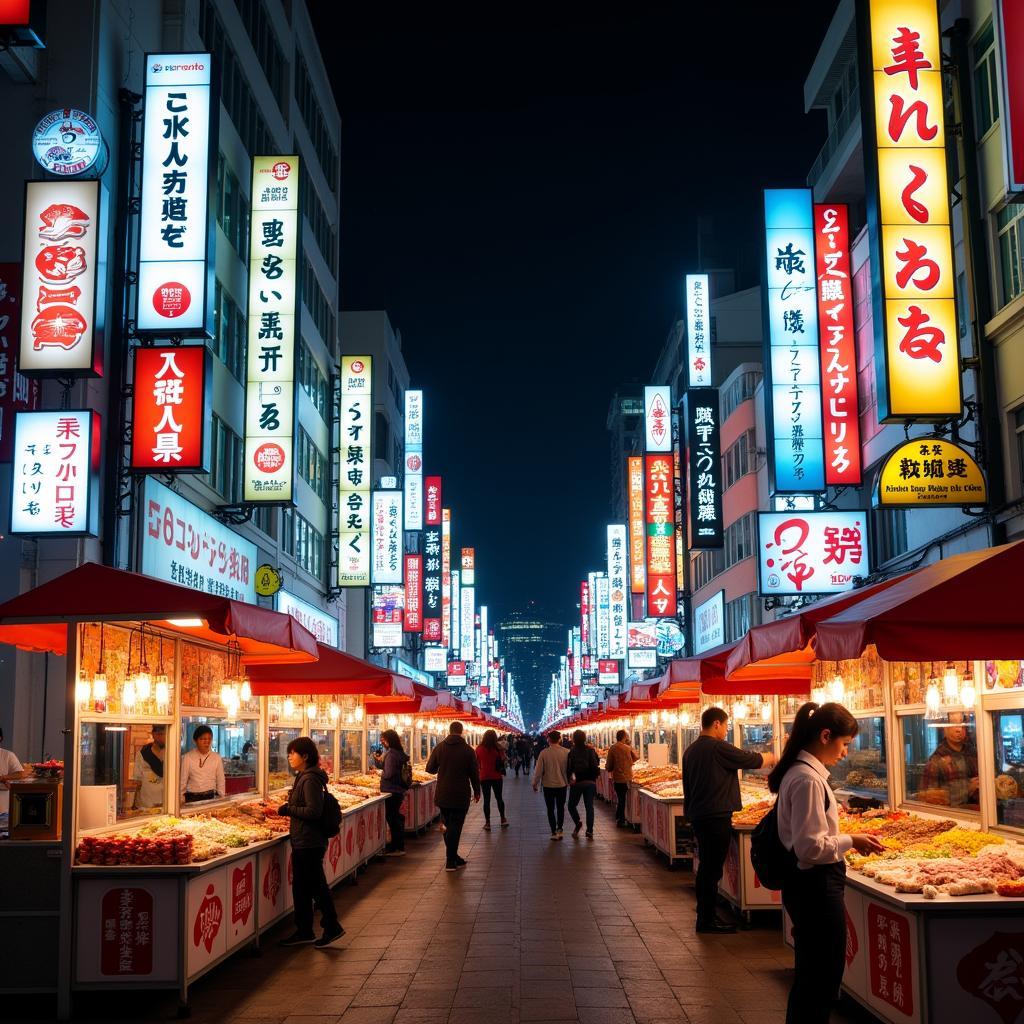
x=531, y=930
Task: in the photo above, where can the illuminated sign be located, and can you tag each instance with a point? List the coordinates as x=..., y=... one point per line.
x=179, y=177
x=432, y=501
x=704, y=451
x=709, y=623
x=811, y=552
x=356, y=463
x=794, y=503
x=658, y=418
x=585, y=612
x=273, y=331
x=456, y=675
x=791, y=337
x=661, y=542
x=17, y=392
x=602, y=644
x=387, y=610
x=840, y=409
x=930, y=472
x=413, y=594
x=54, y=479
x=637, y=530
x=414, y=460
x=917, y=346
x=467, y=607
x=386, y=563
x=63, y=283
x=618, y=591
x=68, y=143
x=171, y=409
x=469, y=567
x=446, y=577
x=321, y=624
x=608, y=673
x=641, y=635
x=1010, y=47
x=432, y=544
x=698, y=331
x=435, y=659
x=455, y=619
x=642, y=658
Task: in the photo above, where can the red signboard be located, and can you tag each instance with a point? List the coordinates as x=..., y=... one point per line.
x=609, y=667
x=1011, y=50
x=242, y=894
x=432, y=630
x=14, y=13
x=413, y=594
x=635, y=474
x=840, y=414
x=456, y=668
x=17, y=391
x=891, y=970
x=432, y=500
x=126, y=943
x=585, y=614
x=169, y=408
x=661, y=544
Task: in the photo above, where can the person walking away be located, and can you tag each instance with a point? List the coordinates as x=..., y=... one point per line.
x=526, y=753
x=619, y=762
x=711, y=792
x=394, y=789
x=491, y=763
x=549, y=772
x=458, y=775
x=305, y=811
x=808, y=822
x=582, y=767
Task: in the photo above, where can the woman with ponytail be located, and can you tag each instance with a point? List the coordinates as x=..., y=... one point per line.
x=808, y=820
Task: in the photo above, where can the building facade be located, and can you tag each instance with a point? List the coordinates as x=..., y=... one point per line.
x=531, y=647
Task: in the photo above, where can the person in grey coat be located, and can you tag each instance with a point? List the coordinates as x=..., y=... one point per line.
x=454, y=763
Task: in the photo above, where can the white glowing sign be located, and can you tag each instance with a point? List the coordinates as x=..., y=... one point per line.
x=658, y=418
x=387, y=565
x=414, y=460
x=356, y=468
x=618, y=591
x=698, y=331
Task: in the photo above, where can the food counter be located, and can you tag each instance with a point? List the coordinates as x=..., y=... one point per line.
x=664, y=825
x=419, y=805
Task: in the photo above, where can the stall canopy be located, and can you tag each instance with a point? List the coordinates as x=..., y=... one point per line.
x=334, y=672
x=707, y=671
x=963, y=608
x=422, y=700
x=38, y=620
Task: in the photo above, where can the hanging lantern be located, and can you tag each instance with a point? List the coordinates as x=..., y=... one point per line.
x=335, y=712
x=128, y=695
x=245, y=690
x=837, y=689
x=740, y=711
x=950, y=684
x=83, y=688
x=766, y=712
x=288, y=708
x=311, y=711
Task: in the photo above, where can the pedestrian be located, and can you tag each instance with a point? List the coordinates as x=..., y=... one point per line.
x=619, y=762
x=491, y=762
x=582, y=768
x=394, y=788
x=711, y=792
x=808, y=823
x=202, y=769
x=549, y=772
x=525, y=753
x=458, y=776
x=305, y=811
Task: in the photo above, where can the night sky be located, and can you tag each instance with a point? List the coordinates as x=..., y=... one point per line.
x=522, y=197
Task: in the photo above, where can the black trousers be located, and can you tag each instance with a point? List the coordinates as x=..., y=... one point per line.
x=454, y=818
x=554, y=801
x=493, y=786
x=621, y=791
x=396, y=820
x=713, y=837
x=814, y=902
x=586, y=790
x=309, y=886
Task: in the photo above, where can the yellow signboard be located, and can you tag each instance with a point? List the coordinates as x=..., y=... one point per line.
x=267, y=581
x=930, y=472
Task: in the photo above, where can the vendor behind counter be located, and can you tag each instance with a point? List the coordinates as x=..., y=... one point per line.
x=10, y=769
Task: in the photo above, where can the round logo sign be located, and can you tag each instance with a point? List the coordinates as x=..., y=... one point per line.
x=413, y=463
x=281, y=170
x=172, y=299
x=357, y=366
x=268, y=581
x=669, y=638
x=268, y=457
x=68, y=143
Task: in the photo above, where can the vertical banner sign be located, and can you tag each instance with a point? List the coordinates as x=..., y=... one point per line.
x=482, y=663
x=174, y=294
x=432, y=501
x=704, y=450
x=455, y=620
x=432, y=584
x=637, y=530
x=469, y=567
x=658, y=418
x=386, y=565
x=603, y=645
x=54, y=483
x=839, y=406
x=661, y=544
x=592, y=605
x=618, y=591
x=679, y=502
x=17, y=392
x=63, y=287
x=413, y=460
x=273, y=330
x=413, y=594
x=698, y=331
x=791, y=337
x=1010, y=46
x=171, y=397
x=446, y=577
x=356, y=471
x=585, y=613
x=917, y=346
x=467, y=607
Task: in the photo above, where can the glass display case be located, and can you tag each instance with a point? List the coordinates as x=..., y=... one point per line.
x=864, y=770
x=755, y=737
x=235, y=741
x=940, y=759
x=858, y=684
x=1008, y=754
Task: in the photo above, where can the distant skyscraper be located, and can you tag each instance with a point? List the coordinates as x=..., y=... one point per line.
x=531, y=646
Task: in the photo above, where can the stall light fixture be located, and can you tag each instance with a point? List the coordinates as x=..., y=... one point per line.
x=288, y=708
x=766, y=712
x=837, y=689
x=950, y=683
x=740, y=711
x=185, y=623
x=968, y=694
x=83, y=688
x=933, y=702
x=819, y=695
x=115, y=728
x=128, y=695
x=359, y=713
x=684, y=718
x=99, y=690
x=245, y=690
x=335, y=712
x=311, y=711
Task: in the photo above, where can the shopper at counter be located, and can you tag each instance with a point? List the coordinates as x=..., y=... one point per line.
x=458, y=775
x=202, y=769
x=619, y=762
x=953, y=766
x=390, y=762
x=149, y=769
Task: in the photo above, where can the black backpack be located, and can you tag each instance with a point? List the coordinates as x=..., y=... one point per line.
x=330, y=819
x=771, y=860
x=405, y=776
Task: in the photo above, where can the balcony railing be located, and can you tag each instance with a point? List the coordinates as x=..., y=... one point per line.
x=849, y=114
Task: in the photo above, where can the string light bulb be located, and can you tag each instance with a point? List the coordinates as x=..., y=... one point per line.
x=740, y=711
x=950, y=683
x=311, y=711
x=245, y=690
x=83, y=687
x=766, y=712
x=335, y=711
x=288, y=708
x=837, y=689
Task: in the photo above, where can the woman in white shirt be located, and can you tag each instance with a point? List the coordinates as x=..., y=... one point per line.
x=202, y=769
x=808, y=818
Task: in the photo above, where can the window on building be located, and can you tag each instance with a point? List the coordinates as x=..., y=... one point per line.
x=316, y=123
x=316, y=217
x=1018, y=426
x=740, y=390
x=232, y=208
x=740, y=615
x=986, y=80
x=740, y=458
x=264, y=42
x=1008, y=226
x=303, y=542
x=228, y=342
x=891, y=533
x=264, y=517
x=312, y=380
x=740, y=539
x=312, y=465
x=381, y=437
x=317, y=304
x=226, y=454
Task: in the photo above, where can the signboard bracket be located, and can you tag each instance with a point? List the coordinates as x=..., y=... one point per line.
x=235, y=514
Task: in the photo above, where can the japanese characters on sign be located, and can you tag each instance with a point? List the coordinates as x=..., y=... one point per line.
x=413, y=460
x=658, y=418
x=661, y=544
x=455, y=618
x=698, y=331
x=456, y=675
x=413, y=594
x=709, y=623
x=432, y=500
x=432, y=544
x=930, y=471
x=916, y=332
x=356, y=471
x=608, y=673
x=54, y=475
x=269, y=474
x=467, y=607
x=386, y=565
x=791, y=337
x=704, y=451
x=469, y=567
x=446, y=577
x=602, y=646
x=585, y=613
x=182, y=544
x=170, y=409
x=637, y=530
x=17, y=392
x=435, y=659
x=320, y=623
x=63, y=284
x=592, y=619
x=891, y=968
x=68, y=143
x=387, y=609
x=840, y=410
x=174, y=292
x=812, y=552
x=1010, y=47
x=618, y=591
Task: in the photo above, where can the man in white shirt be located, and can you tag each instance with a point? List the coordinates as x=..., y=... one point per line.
x=202, y=769
x=149, y=769
x=10, y=769
x=550, y=773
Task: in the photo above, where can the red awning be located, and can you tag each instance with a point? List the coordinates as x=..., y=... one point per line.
x=423, y=700
x=38, y=620
x=708, y=670
x=964, y=608
x=335, y=672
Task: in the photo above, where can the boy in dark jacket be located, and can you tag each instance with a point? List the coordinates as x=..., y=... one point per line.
x=454, y=763
x=305, y=810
